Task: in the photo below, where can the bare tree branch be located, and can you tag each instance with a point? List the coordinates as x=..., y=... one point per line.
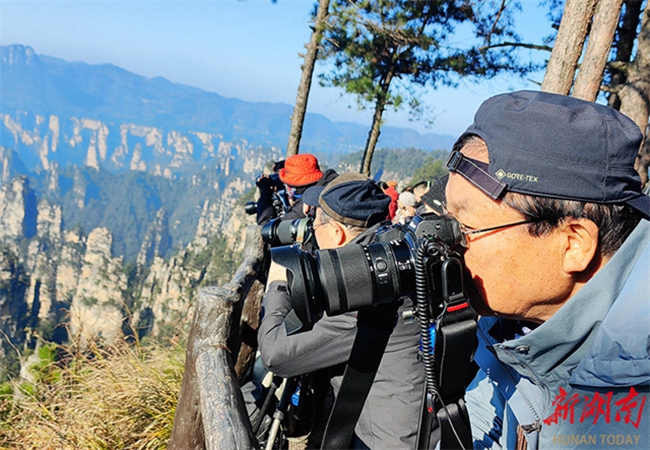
x=601, y=35
x=568, y=46
x=620, y=66
x=488, y=38
x=517, y=44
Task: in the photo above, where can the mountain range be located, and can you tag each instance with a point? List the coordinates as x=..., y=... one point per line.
x=47, y=86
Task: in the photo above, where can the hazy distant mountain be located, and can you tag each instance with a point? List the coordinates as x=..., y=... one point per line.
x=50, y=86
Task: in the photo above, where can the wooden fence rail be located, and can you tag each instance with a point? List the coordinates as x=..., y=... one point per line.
x=220, y=353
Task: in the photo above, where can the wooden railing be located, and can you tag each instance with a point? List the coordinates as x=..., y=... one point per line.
x=220, y=353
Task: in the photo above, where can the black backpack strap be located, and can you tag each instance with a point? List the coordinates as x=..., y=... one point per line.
x=374, y=327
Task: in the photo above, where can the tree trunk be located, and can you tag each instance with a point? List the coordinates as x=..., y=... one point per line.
x=568, y=46
x=635, y=94
x=603, y=28
x=300, y=108
x=643, y=161
x=375, y=129
x=624, y=46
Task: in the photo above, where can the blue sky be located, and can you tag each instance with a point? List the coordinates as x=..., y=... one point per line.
x=244, y=49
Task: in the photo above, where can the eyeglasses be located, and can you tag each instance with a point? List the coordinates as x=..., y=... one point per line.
x=316, y=225
x=466, y=230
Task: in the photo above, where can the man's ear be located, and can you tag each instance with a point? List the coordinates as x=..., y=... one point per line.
x=580, y=238
x=340, y=233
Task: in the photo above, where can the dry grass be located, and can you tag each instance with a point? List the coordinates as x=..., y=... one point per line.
x=124, y=397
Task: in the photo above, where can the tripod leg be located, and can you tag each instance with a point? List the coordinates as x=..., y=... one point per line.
x=275, y=427
x=288, y=390
x=267, y=402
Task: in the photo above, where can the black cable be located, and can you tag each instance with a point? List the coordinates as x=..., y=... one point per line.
x=422, y=304
x=451, y=425
x=428, y=248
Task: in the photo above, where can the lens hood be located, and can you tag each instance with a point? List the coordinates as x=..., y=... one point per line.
x=301, y=283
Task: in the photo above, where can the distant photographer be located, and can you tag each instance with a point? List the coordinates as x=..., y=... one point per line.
x=298, y=173
x=349, y=211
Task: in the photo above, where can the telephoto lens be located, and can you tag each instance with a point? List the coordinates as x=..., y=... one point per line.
x=278, y=232
x=356, y=276
x=250, y=208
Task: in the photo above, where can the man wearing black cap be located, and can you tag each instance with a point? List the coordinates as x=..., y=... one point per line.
x=350, y=209
x=558, y=259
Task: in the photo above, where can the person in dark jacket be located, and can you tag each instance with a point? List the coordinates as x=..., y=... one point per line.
x=298, y=174
x=350, y=209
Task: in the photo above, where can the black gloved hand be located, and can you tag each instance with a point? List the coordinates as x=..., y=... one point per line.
x=264, y=183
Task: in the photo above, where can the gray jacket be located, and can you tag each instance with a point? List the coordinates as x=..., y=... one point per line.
x=389, y=418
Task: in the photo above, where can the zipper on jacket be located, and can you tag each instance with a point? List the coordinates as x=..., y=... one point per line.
x=536, y=426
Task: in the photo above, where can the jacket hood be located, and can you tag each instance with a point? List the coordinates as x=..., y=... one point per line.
x=599, y=338
x=620, y=352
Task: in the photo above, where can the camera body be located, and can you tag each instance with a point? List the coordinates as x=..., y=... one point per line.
x=273, y=183
x=348, y=278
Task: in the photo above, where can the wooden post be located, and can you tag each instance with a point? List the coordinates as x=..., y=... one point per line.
x=211, y=413
x=224, y=416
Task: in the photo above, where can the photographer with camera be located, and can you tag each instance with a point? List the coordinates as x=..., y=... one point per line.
x=294, y=176
x=350, y=210
x=558, y=250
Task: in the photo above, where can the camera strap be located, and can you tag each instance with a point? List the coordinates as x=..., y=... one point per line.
x=374, y=327
x=455, y=345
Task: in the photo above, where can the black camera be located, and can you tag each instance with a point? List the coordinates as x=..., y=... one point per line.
x=270, y=182
x=278, y=232
x=274, y=184
x=419, y=255
x=420, y=260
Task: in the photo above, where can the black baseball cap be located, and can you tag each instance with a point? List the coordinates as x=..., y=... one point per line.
x=555, y=146
x=351, y=198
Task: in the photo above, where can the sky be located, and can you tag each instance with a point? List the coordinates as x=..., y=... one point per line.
x=247, y=49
